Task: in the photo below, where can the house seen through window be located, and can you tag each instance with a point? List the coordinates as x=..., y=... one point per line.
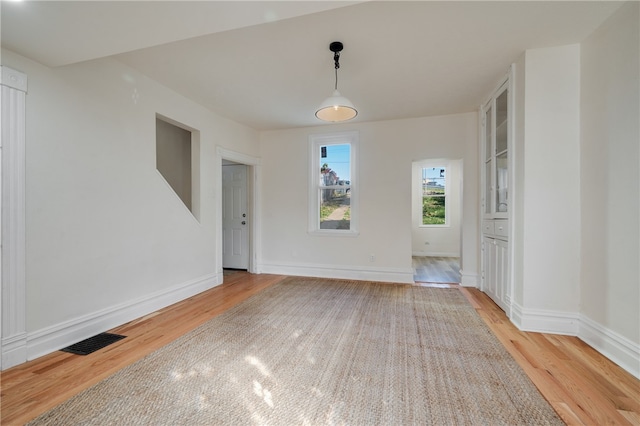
x=332, y=192
x=335, y=186
x=434, y=196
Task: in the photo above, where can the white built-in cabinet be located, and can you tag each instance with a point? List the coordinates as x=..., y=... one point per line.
x=496, y=116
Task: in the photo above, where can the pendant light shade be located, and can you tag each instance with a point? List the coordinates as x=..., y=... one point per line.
x=336, y=108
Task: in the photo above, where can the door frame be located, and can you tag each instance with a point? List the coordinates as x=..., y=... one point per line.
x=416, y=188
x=13, y=286
x=253, y=205
x=234, y=176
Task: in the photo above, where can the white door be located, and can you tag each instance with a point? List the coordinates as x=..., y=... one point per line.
x=235, y=238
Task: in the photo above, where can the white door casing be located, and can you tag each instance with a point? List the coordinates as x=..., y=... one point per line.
x=254, y=173
x=235, y=237
x=13, y=335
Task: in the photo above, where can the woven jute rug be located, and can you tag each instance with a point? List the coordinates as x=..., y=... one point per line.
x=315, y=352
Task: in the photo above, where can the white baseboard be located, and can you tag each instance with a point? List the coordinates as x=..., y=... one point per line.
x=434, y=254
x=617, y=348
x=516, y=315
x=612, y=345
x=543, y=321
x=469, y=279
x=14, y=350
x=395, y=275
x=60, y=335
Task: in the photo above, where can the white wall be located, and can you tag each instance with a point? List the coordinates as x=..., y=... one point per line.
x=107, y=239
x=610, y=160
x=550, y=187
x=387, y=150
x=577, y=205
x=517, y=192
x=437, y=240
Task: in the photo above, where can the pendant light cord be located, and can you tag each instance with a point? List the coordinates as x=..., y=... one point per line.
x=336, y=59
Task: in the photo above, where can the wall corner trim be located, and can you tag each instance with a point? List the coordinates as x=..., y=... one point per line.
x=469, y=279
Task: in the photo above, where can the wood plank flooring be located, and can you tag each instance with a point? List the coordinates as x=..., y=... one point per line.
x=431, y=269
x=30, y=389
x=582, y=385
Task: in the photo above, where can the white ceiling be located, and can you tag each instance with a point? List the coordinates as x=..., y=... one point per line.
x=268, y=65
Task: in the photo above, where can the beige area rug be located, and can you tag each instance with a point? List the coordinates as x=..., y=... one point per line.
x=314, y=352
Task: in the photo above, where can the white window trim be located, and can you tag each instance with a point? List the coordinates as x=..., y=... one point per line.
x=447, y=189
x=315, y=142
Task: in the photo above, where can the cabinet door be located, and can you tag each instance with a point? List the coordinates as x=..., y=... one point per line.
x=496, y=124
x=501, y=154
x=502, y=274
x=496, y=167
x=495, y=271
x=489, y=267
x=487, y=190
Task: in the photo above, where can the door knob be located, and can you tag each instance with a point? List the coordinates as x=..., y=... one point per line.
x=244, y=222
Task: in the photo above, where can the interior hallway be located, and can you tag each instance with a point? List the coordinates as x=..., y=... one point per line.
x=436, y=269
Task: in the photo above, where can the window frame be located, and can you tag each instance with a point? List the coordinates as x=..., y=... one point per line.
x=447, y=190
x=315, y=142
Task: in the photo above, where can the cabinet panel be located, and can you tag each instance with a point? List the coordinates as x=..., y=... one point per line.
x=496, y=169
x=488, y=227
x=501, y=274
x=487, y=193
x=489, y=267
x=495, y=272
x=496, y=140
x=502, y=183
x=501, y=228
x=502, y=122
x=488, y=131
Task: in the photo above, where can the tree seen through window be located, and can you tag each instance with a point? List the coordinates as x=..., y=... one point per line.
x=434, y=195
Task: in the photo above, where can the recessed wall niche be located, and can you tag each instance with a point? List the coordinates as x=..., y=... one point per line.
x=177, y=159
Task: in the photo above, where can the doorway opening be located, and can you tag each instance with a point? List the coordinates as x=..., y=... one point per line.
x=237, y=219
x=436, y=224
x=436, y=269
x=235, y=212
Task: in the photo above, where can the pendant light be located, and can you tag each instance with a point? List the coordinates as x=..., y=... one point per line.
x=336, y=107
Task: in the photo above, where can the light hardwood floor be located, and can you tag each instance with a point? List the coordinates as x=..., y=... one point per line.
x=430, y=269
x=582, y=385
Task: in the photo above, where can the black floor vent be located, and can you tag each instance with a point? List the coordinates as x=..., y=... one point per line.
x=93, y=344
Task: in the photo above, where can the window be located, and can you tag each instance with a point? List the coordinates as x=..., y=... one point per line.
x=333, y=184
x=434, y=196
